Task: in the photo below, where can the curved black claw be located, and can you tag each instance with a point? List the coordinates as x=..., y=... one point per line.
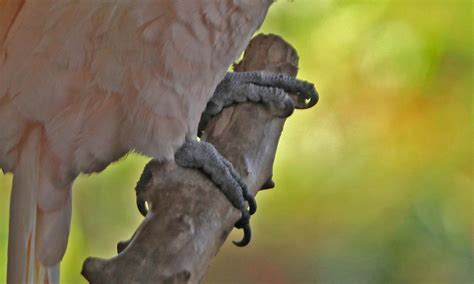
x=247, y=237
x=308, y=97
x=244, y=224
x=140, y=188
x=251, y=202
x=122, y=245
x=269, y=184
x=141, y=205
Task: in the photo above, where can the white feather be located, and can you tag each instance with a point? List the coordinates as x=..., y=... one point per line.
x=83, y=82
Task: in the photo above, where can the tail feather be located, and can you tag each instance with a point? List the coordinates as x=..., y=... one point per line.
x=37, y=236
x=21, y=238
x=49, y=275
x=52, y=228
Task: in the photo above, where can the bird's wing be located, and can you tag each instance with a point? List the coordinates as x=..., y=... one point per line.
x=57, y=50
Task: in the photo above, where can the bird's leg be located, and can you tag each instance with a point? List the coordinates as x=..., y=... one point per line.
x=203, y=156
x=260, y=87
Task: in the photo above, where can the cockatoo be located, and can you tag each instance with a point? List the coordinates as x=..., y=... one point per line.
x=83, y=82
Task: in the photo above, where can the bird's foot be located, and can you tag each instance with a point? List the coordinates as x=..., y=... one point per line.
x=203, y=155
x=260, y=87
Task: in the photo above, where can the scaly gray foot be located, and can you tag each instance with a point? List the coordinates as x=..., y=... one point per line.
x=204, y=156
x=260, y=87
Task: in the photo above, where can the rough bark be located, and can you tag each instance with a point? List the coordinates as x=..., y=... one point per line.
x=189, y=218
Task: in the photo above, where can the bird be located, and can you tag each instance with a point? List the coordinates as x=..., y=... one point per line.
x=83, y=83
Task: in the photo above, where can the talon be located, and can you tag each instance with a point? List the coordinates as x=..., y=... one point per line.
x=247, y=236
x=252, y=204
x=269, y=184
x=140, y=188
x=122, y=245
x=310, y=98
x=141, y=205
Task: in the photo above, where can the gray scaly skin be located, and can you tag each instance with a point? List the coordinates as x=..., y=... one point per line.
x=204, y=156
x=238, y=87
x=259, y=87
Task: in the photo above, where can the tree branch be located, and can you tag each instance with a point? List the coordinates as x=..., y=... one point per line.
x=189, y=218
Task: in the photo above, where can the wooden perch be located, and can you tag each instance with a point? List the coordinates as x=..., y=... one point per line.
x=189, y=218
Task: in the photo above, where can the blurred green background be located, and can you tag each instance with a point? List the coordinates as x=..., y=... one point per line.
x=374, y=185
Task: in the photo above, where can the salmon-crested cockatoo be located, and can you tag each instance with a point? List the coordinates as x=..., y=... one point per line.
x=83, y=82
